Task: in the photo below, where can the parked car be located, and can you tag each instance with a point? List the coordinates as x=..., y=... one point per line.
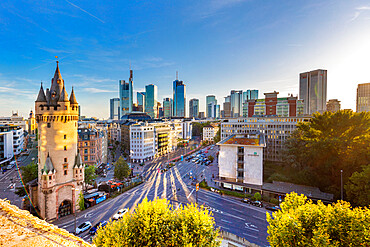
x=257, y=204
x=97, y=226
x=120, y=214
x=273, y=208
x=247, y=200
x=9, y=167
x=83, y=227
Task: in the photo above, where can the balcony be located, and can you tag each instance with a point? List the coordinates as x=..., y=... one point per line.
x=240, y=169
x=240, y=161
x=240, y=153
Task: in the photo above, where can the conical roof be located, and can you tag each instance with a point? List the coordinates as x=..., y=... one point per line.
x=57, y=74
x=78, y=160
x=64, y=96
x=48, y=167
x=41, y=97
x=72, y=99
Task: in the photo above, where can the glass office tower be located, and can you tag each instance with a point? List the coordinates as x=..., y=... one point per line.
x=179, y=99
x=193, y=108
x=114, y=109
x=126, y=95
x=151, y=100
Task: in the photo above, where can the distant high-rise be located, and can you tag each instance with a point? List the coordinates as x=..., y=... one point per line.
x=126, y=95
x=333, y=105
x=250, y=94
x=210, y=99
x=363, y=97
x=179, y=98
x=151, y=100
x=312, y=90
x=114, y=109
x=236, y=100
x=213, y=110
x=167, y=107
x=193, y=108
x=141, y=100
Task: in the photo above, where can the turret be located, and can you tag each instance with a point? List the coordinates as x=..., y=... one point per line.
x=48, y=174
x=78, y=168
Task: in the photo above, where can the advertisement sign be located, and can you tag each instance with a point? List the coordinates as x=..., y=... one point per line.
x=100, y=199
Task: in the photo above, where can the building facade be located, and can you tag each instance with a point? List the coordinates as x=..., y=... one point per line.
x=114, y=109
x=90, y=145
x=363, y=97
x=236, y=101
x=250, y=94
x=312, y=90
x=60, y=168
x=193, y=108
x=209, y=133
x=6, y=144
x=126, y=95
x=210, y=99
x=15, y=119
x=142, y=142
x=179, y=99
x=151, y=99
x=333, y=105
x=140, y=96
x=275, y=129
x=32, y=124
x=167, y=107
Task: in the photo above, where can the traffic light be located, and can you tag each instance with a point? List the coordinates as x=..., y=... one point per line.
x=197, y=187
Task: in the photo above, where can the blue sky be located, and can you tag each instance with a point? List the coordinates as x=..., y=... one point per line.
x=216, y=45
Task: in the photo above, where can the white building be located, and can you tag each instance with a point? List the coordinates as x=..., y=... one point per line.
x=275, y=129
x=241, y=161
x=15, y=120
x=209, y=133
x=6, y=145
x=142, y=142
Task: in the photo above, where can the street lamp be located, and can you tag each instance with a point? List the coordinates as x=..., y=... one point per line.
x=74, y=210
x=341, y=185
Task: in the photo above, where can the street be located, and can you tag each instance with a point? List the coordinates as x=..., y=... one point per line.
x=230, y=214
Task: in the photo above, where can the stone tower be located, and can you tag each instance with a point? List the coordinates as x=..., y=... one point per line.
x=60, y=168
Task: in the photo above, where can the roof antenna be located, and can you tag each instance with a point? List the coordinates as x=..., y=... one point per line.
x=57, y=59
x=177, y=75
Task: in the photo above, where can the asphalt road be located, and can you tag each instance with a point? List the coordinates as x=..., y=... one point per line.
x=230, y=214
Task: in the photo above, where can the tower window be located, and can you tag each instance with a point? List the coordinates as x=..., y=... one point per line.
x=65, y=160
x=49, y=177
x=65, y=148
x=49, y=125
x=65, y=137
x=65, y=172
x=65, y=107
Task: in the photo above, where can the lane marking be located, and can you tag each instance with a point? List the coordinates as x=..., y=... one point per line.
x=249, y=235
x=226, y=221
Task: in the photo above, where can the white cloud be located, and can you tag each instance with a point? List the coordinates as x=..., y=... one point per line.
x=98, y=90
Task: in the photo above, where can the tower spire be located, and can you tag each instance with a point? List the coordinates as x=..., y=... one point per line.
x=41, y=97
x=177, y=75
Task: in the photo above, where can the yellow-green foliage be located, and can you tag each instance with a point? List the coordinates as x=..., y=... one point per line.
x=303, y=223
x=155, y=223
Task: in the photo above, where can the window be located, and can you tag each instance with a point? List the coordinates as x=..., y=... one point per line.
x=85, y=144
x=85, y=151
x=65, y=160
x=49, y=177
x=240, y=174
x=65, y=148
x=85, y=158
x=65, y=107
x=65, y=166
x=65, y=172
x=49, y=125
x=65, y=137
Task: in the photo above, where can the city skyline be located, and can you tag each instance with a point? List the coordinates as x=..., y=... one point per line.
x=259, y=47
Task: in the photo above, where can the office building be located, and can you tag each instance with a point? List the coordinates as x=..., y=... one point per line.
x=151, y=100
x=114, y=109
x=276, y=130
x=167, y=107
x=363, y=98
x=60, y=168
x=273, y=106
x=333, y=105
x=142, y=142
x=209, y=132
x=15, y=119
x=6, y=144
x=312, y=90
x=179, y=99
x=193, y=108
x=210, y=99
x=126, y=95
x=250, y=94
x=201, y=115
x=141, y=100
x=236, y=100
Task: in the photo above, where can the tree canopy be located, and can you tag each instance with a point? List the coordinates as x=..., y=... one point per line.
x=121, y=169
x=358, y=187
x=155, y=223
x=300, y=222
x=330, y=142
x=90, y=174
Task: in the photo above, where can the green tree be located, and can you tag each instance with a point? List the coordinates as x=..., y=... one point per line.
x=81, y=201
x=90, y=175
x=217, y=138
x=300, y=222
x=331, y=142
x=121, y=169
x=211, y=158
x=358, y=187
x=257, y=196
x=29, y=173
x=155, y=223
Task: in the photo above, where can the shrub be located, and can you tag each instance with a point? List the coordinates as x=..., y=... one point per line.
x=257, y=196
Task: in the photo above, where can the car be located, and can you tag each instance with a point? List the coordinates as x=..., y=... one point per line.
x=96, y=227
x=273, y=208
x=247, y=200
x=257, y=204
x=83, y=227
x=120, y=214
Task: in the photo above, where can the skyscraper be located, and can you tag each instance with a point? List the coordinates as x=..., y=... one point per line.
x=114, y=109
x=141, y=100
x=250, y=94
x=363, y=97
x=193, y=108
x=312, y=90
x=210, y=99
x=236, y=100
x=151, y=100
x=179, y=98
x=167, y=107
x=126, y=95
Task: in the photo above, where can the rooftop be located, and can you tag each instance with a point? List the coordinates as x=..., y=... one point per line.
x=244, y=140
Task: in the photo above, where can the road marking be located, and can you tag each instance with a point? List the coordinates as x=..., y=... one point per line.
x=264, y=219
x=238, y=211
x=157, y=185
x=249, y=226
x=164, y=193
x=226, y=221
x=190, y=193
x=249, y=235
